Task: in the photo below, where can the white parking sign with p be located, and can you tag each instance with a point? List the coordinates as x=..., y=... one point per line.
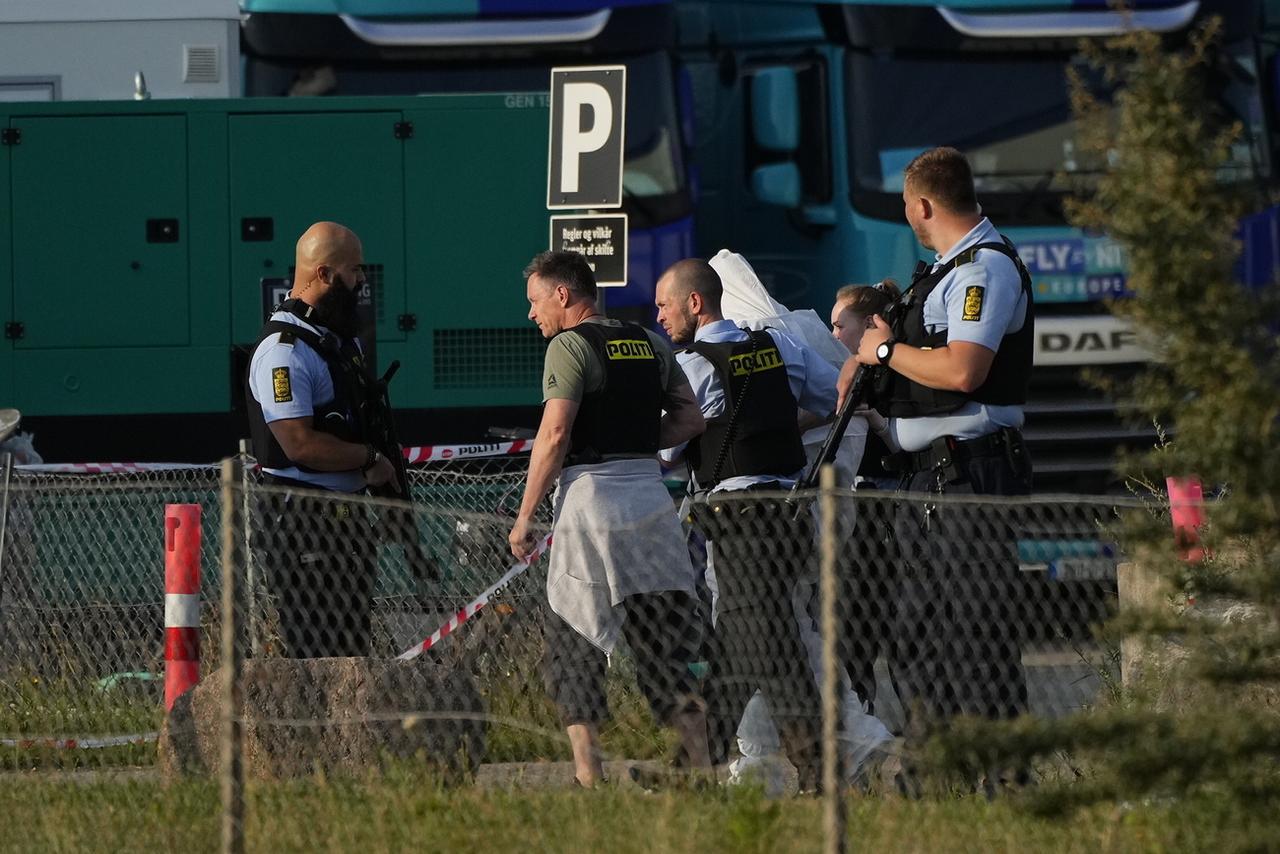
x=588, y=108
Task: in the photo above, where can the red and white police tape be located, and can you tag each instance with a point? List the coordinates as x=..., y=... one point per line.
x=436, y=453
x=109, y=468
x=471, y=608
x=86, y=743
x=413, y=455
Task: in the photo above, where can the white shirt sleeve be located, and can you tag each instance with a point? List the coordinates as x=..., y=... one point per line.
x=704, y=382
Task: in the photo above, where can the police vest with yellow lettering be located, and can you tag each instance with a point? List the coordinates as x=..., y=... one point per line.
x=621, y=417
x=1006, y=382
x=757, y=434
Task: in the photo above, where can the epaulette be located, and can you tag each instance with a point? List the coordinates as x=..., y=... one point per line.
x=288, y=337
x=968, y=256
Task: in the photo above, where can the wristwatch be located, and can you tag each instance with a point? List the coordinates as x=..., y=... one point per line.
x=371, y=460
x=885, y=351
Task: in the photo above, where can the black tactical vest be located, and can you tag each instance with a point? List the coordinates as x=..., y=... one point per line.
x=757, y=434
x=622, y=416
x=342, y=417
x=1010, y=374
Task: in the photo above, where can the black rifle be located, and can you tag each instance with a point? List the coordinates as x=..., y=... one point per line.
x=863, y=382
x=398, y=522
x=381, y=433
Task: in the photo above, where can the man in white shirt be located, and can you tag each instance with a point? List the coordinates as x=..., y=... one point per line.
x=756, y=390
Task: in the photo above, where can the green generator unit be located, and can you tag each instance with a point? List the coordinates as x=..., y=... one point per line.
x=144, y=242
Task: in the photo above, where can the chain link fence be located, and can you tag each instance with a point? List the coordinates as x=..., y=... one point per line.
x=82, y=580
x=388, y=638
x=82, y=609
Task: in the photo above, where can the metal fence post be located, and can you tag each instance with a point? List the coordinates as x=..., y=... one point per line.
x=250, y=596
x=832, y=796
x=232, y=705
x=4, y=516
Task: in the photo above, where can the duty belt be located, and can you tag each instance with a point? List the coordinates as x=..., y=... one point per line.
x=949, y=451
x=318, y=495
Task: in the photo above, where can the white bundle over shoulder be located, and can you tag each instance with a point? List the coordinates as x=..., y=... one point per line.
x=747, y=301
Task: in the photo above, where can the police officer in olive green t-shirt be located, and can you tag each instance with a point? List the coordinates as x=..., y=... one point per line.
x=613, y=395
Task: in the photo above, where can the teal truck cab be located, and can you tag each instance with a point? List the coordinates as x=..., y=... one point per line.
x=808, y=112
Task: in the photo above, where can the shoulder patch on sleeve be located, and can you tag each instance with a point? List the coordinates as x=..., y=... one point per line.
x=281, y=385
x=973, y=302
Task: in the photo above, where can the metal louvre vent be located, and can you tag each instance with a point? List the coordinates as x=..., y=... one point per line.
x=200, y=63
x=488, y=358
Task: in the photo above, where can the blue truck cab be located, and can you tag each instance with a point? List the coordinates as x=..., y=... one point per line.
x=807, y=114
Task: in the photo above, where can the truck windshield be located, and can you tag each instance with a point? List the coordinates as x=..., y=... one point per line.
x=654, y=186
x=1011, y=115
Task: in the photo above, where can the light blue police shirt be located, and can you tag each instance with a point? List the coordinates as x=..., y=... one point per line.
x=812, y=380
x=1004, y=310
x=310, y=388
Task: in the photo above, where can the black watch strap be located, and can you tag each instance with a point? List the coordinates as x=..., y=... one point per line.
x=371, y=459
x=886, y=347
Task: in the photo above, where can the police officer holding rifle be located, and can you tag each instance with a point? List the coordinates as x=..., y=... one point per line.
x=954, y=369
x=320, y=423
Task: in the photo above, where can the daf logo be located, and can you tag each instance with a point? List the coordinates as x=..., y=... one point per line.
x=1093, y=340
x=1088, y=341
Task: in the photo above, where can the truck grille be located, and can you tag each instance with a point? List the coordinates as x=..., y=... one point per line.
x=1074, y=431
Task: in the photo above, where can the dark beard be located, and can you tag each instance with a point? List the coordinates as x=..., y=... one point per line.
x=338, y=309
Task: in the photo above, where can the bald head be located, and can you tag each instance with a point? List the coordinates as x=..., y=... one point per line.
x=327, y=253
x=688, y=296
x=325, y=243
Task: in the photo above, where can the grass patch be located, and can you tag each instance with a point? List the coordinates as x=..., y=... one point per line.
x=50, y=708
x=523, y=725
x=630, y=733
x=409, y=812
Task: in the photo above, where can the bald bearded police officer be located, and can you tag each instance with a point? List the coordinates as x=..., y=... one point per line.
x=309, y=398
x=755, y=389
x=959, y=362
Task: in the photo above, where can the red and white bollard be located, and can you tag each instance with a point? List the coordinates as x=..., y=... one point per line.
x=181, y=600
x=1186, y=507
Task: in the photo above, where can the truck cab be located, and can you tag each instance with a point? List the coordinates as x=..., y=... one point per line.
x=809, y=112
